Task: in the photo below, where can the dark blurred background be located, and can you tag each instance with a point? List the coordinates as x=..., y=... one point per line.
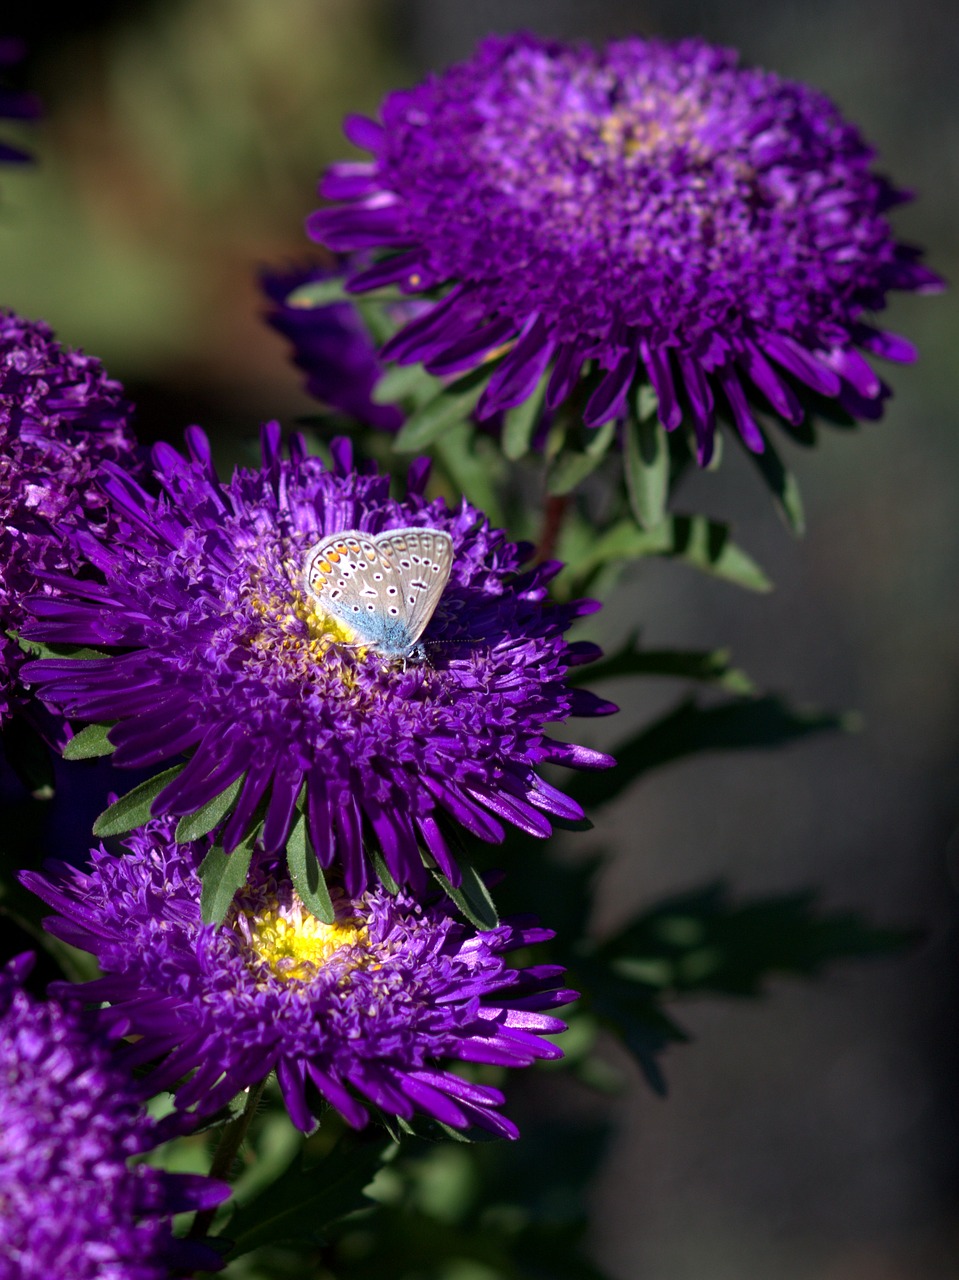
x=812, y=1136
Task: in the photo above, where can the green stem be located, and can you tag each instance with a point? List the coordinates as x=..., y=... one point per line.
x=226, y=1153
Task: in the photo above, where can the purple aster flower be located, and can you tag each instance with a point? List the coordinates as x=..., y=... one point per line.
x=70, y=1119
x=14, y=103
x=218, y=652
x=364, y=1010
x=648, y=210
x=61, y=418
x=331, y=345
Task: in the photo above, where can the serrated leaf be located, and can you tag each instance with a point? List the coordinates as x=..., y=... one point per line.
x=783, y=486
x=707, y=666
x=307, y=874
x=445, y=411
x=697, y=541
x=646, y=465
x=303, y=1202
x=732, y=726
x=519, y=423
x=221, y=875
x=200, y=823
x=90, y=742
x=472, y=896
x=405, y=381
x=571, y=467
x=133, y=809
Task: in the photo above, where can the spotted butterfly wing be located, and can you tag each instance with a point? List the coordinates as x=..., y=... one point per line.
x=386, y=587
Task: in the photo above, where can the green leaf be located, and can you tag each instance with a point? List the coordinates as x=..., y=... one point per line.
x=25, y=910
x=707, y=666
x=732, y=726
x=90, y=742
x=36, y=649
x=307, y=874
x=222, y=874
x=472, y=896
x=571, y=467
x=133, y=809
x=697, y=541
x=519, y=425
x=474, y=466
x=445, y=411
x=200, y=823
x=319, y=293
x=375, y=855
x=783, y=485
x=646, y=464
x=403, y=382
x=378, y=317
x=702, y=942
x=303, y=1202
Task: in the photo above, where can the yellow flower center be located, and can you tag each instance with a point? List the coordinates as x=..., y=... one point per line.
x=299, y=633
x=278, y=932
x=644, y=126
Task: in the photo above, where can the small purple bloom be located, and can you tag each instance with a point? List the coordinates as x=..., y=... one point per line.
x=14, y=103
x=61, y=418
x=368, y=1010
x=648, y=209
x=332, y=347
x=70, y=1120
x=217, y=651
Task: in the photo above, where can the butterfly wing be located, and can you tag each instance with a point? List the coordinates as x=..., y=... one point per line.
x=422, y=560
x=385, y=588
x=339, y=572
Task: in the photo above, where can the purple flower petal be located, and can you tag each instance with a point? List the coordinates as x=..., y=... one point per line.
x=71, y=1116
x=375, y=1006
x=705, y=210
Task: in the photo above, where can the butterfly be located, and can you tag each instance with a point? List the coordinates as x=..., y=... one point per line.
x=384, y=587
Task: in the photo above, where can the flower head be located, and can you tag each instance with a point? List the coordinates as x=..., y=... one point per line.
x=366, y=1010
x=220, y=653
x=61, y=418
x=332, y=347
x=70, y=1119
x=647, y=206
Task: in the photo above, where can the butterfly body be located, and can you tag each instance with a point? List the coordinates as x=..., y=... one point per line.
x=384, y=587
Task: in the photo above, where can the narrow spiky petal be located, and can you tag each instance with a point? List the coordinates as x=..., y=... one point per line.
x=372, y=1009
x=71, y=1117
x=61, y=418
x=591, y=206
x=221, y=657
